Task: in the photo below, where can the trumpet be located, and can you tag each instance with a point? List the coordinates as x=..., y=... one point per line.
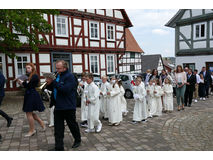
x=43, y=85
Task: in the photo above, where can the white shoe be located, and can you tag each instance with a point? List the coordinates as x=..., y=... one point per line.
x=51, y=125
x=204, y=99
x=30, y=134
x=90, y=130
x=195, y=101
x=98, y=129
x=201, y=99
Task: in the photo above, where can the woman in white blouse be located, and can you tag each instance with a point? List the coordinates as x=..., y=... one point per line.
x=180, y=80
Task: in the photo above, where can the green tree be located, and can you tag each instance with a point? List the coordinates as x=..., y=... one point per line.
x=28, y=22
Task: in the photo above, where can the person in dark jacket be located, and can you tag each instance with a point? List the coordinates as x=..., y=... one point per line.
x=190, y=88
x=2, y=94
x=207, y=80
x=64, y=92
x=32, y=99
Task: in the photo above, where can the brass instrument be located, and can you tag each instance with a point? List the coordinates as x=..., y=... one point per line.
x=43, y=85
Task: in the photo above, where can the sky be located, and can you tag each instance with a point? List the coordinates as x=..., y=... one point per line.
x=150, y=31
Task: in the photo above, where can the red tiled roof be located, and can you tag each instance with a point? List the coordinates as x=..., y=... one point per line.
x=131, y=43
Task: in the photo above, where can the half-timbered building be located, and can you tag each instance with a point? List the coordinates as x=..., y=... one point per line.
x=193, y=38
x=90, y=40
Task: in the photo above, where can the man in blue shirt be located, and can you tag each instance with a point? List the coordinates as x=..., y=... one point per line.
x=64, y=96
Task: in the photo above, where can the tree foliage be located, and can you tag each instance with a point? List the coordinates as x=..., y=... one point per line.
x=26, y=22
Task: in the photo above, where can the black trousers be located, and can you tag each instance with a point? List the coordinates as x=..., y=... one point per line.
x=2, y=113
x=188, y=96
x=70, y=117
x=207, y=89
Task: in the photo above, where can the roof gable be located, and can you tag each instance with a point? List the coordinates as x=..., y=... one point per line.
x=131, y=43
x=150, y=62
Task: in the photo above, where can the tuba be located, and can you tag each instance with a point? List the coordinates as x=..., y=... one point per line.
x=43, y=85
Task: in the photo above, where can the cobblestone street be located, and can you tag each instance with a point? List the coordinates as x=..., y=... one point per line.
x=190, y=129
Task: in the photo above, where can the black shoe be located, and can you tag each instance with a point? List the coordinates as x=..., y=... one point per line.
x=9, y=121
x=185, y=104
x=189, y=105
x=76, y=144
x=0, y=138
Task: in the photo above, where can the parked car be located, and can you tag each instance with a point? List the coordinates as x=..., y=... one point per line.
x=128, y=82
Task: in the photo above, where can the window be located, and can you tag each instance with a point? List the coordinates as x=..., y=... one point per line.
x=211, y=29
x=61, y=26
x=132, y=55
x=200, y=31
x=21, y=63
x=94, y=67
x=189, y=65
x=132, y=68
x=110, y=32
x=94, y=30
x=110, y=64
x=124, y=78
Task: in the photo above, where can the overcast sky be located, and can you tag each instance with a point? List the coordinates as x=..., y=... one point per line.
x=150, y=31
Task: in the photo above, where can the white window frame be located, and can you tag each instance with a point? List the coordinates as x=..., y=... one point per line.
x=205, y=32
x=211, y=29
x=111, y=25
x=113, y=60
x=98, y=34
x=16, y=62
x=66, y=26
x=90, y=63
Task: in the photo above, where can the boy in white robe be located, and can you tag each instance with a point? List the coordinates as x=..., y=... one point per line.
x=158, y=92
x=92, y=101
x=140, y=109
x=115, y=113
x=150, y=99
x=168, y=95
x=103, y=98
x=84, y=110
x=123, y=102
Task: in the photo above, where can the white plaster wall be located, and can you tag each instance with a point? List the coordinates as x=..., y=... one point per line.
x=121, y=45
x=44, y=68
x=119, y=28
x=103, y=43
x=118, y=14
x=62, y=42
x=10, y=71
x=86, y=61
x=23, y=39
x=103, y=73
x=199, y=61
x=44, y=58
x=77, y=30
x=110, y=45
x=208, y=11
x=77, y=21
x=103, y=65
x=94, y=44
x=77, y=68
x=186, y=14
x=119, y=35
x=86, y=42
x=102, y=30
x=183, y=45
x=91, y=10
x=196, y=12
x=109, y=12
x=186, y=31
x=77, y=58
x=100, y=11
x=201, y=44
x=211, y=44
x=85, y=27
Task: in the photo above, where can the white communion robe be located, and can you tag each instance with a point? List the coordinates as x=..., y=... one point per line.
x=140, y=108
x=84, y=109
x=168, y=97
x=123, y=102
x=93, y=106
x=151, y=100
x=104, y=100
x=158, y=101
x=115, y=113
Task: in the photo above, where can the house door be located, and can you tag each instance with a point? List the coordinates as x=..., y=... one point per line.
x=209, y=66
x=67, y=57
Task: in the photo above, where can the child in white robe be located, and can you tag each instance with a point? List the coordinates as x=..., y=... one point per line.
x=115, y=113
x=158, y=92
x=150, y=99
x=84, y=110
x=168, y=95
x=103, y=98
x=92, y=101
x=140, y=108
x=123, y=102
